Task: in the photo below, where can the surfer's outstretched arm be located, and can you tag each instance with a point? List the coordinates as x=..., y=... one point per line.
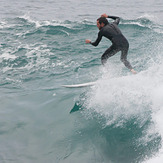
x=95, y=43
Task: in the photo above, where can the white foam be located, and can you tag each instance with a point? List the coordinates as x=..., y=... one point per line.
x=148, y=16
x=39, y=24
x=155, y=25
x=5, y=24
x=2, y=24
x=135, y=23
x=7, y=56
x=121, y=98
x=157, y=106
x=30, y=20
x=118, y=95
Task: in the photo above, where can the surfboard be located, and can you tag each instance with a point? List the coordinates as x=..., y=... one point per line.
x=80, y=85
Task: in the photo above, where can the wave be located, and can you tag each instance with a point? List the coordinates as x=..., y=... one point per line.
x=145, y=23
x=32, y=45
x=129, y=109
x=41, y=31
x=54, y=27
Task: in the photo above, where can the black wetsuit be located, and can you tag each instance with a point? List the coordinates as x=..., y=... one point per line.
x=119, y=42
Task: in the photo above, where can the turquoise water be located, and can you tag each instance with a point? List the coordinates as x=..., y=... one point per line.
x=42, y=46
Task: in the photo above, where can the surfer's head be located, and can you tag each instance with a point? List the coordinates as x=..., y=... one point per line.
x=101, y=22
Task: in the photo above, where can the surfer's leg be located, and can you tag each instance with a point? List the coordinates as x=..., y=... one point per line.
x=108, y=53
x=124, y=58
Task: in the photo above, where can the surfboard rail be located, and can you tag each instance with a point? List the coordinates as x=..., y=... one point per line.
x=79, y=85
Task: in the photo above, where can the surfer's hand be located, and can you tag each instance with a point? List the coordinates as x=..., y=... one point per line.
x=87, y=41
x=104, y=15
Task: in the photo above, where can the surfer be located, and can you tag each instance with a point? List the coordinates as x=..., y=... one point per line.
x=113, y=33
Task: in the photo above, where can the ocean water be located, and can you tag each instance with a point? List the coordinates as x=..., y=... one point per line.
x=42, y=46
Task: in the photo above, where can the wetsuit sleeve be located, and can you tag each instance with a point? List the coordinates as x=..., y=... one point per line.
x=117, y=19
x=98, y=39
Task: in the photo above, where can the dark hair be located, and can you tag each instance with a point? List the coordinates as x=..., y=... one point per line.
x=103, y=20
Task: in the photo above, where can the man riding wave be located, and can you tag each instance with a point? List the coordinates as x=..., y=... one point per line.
x=113, y=33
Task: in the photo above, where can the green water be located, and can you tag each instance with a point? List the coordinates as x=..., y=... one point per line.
x=42, y=46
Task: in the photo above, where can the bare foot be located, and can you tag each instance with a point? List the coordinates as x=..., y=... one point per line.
x=133, y=71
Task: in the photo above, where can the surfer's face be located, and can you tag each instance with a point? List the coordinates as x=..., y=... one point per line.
x=100, y=25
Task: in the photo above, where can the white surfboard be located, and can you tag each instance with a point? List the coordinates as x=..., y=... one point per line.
x=79, y=85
